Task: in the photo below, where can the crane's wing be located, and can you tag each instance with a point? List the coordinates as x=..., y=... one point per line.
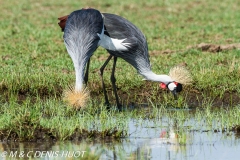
x=117, y=27
x=133, y=45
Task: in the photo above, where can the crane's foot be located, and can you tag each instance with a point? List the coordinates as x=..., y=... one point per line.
x=120, y=107
x=108, y=105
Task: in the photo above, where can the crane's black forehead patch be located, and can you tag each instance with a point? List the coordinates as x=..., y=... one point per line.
x=179, y=87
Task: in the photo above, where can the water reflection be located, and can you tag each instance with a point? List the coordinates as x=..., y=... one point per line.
x=145, y=141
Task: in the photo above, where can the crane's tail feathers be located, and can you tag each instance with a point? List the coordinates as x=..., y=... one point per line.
x=62, y=22
x=180, y=74
x=76, y=99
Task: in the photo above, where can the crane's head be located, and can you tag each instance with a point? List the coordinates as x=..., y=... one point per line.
x=174, y=87
x=179, y=75
x=76, y=98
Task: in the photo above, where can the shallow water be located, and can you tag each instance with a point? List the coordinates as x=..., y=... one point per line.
x=147, y=140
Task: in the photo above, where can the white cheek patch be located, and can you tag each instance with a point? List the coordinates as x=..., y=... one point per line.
x=112, y=43
x=172, y=86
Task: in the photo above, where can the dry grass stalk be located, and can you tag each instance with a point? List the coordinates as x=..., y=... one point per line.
x=232, y=65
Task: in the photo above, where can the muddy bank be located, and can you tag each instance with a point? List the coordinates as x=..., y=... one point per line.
x=193, y=97
x=204, y=47
x=207, y=47
x=42, y=134
x=135, y=97
x=138, y=94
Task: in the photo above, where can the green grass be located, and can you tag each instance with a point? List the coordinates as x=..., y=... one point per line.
x=35, y=67
x=51, y=119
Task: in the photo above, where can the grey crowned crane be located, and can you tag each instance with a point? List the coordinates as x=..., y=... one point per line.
x=87, y=29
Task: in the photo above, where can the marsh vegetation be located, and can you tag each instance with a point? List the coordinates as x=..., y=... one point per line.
x=36, y=69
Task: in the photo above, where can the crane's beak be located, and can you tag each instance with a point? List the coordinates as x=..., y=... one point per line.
x=174, y=92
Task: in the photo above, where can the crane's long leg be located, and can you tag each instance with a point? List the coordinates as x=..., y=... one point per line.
x=103, y=85
x=113, y=80
x=86, y=72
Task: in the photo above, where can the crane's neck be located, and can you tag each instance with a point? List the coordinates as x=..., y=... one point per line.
x=79, y=78
x=156, y=78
